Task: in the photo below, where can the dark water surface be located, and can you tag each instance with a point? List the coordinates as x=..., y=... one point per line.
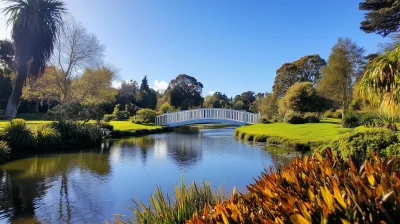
x=93, y=185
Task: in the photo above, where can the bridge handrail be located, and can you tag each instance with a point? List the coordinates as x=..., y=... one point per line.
x=244, y=117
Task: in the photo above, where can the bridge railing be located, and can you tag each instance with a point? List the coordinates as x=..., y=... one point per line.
x=207, y=114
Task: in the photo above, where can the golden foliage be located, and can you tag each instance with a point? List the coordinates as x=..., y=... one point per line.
x=316, y=190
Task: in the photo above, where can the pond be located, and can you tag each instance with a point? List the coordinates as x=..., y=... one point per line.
x=91, y=186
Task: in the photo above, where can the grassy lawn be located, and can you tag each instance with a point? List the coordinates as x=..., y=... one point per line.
x=32, y=124
x=118, y=125
x=129, y=126
x=315, y=133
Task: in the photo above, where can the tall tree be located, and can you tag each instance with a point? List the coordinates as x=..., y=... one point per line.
x=305, y=69
x=269, y=105
x=345, y=64
x=146, y=98
x=75, y=50
x=382, y=16
x=127, y=93
x=35, y=26
x=185, y=92
x=380, y=82
x=145, y=85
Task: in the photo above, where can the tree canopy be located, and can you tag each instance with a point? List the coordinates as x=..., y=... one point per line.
x=217, y=100
x=302, y=97
x=345, y=64
x=382, y=16
x=184, y=92
x=305, y=69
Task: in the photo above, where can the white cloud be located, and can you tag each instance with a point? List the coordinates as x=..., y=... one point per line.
x=210, y=93
x=116, y=84
x=160, y=86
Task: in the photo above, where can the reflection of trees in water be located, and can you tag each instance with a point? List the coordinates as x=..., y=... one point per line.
x=143, y=144
x=280, y=156
x=185, y=153
x=24, y=181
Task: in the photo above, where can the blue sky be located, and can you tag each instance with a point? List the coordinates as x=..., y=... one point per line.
x=230, y=46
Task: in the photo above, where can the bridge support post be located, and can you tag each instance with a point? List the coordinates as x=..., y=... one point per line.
x=167, y=120
x=245, y=117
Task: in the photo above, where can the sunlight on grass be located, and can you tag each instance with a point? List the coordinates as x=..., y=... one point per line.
x=315, y=133
x=129, y=126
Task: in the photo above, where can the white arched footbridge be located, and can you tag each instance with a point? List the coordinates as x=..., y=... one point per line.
x=205, y=116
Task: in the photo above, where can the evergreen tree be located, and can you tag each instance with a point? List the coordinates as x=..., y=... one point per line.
x=345, y=64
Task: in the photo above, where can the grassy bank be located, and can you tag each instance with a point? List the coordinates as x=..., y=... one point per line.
x=118, y=125
x=127, y=128
x=298, y=136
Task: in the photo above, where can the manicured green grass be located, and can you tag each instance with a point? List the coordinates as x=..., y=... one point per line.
x=118, y=125
x=32, y=124
x=293, y=135
x=129, y=126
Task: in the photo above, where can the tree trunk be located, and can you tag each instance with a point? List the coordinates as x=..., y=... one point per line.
x=37, y=106
x=15, y=98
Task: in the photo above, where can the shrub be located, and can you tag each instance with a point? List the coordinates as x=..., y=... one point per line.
x=166, y=107
x=4, y=151
x=315, y=190
x=18, y=135
x=264, y=120
x=351, y=120
x=294, y=118
x=329, y=114
x=147, y=115
x=118, y=114
x=122, y=115
x=47, y=136
x=311, y=118
x=77, y=134
x=361, y=141
x=106, y=125
x=368, y=120
x=108, y=117
x=338, y=114
x=137, y=121
x=187, y=201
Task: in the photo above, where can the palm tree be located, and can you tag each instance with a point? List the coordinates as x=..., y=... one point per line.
x=35, y=26
x=381, y=81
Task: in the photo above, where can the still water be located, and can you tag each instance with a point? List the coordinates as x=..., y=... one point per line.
x=92, y=185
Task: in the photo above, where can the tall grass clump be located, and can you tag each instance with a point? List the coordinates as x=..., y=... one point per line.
x=4, y=151
x=47, y=136
x=78, y=134
x=187, y=201
x=18, y=135
x=316, y=189
x=351, y=120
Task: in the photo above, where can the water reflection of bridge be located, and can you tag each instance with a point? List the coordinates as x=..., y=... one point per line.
x=207, y=115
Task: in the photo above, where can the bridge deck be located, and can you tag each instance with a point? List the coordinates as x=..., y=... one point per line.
x=207, y=115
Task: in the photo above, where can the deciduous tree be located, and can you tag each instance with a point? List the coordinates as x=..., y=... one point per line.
x=185, y=92
x=305, y=69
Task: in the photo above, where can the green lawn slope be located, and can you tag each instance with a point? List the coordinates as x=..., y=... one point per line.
x=298, y=136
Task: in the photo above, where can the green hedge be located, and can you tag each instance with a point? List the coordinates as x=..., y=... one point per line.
x=361, y=141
